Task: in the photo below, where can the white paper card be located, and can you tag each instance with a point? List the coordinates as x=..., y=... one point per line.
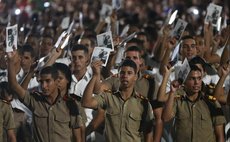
x=213, y=13
x=11, y=38
x=105, y=40
x=179, y=29
x=101, y=53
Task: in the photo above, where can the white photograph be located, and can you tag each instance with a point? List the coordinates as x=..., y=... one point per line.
x=213, y=13
x=105, y=40
x=11, y=38
x=101, y=53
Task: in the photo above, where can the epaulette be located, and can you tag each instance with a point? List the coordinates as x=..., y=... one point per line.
x=147, y=76
x=138, y=95
x=108, y=91
x=211, y=98
x=4, y=101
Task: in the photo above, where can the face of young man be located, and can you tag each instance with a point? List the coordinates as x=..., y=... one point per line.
x=193, y=82
x=26, y=61
x=79, y=60
x=46, y=46
x=128, y=76
x=188, y=49
x=48, y=84
x=134, y=56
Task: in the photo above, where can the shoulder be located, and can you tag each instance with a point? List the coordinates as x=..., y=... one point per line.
x=141, y=97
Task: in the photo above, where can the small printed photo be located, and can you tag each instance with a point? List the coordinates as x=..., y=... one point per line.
x=183, y=71
x=213, y=13
x=179, y=29
x=106, y=10
x=101, y=53
x=11, y=38
x=116, y=4
x=105, y=40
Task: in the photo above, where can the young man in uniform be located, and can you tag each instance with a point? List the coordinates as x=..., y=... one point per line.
x=197, y=117
x=53, y=117
x=128, y=113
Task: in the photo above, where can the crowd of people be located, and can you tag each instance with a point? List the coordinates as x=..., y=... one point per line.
x=155, y=87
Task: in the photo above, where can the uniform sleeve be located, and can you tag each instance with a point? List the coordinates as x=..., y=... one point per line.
x=101, y=99
x=8, y=117
x=29, y=100
x=149, y=116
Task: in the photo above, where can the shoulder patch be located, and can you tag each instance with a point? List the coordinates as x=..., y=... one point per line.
x=108, y=91
x=147, y=76
x=138, y=95
x=6, y=102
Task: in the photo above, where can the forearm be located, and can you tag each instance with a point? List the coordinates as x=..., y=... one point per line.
x=87, y=98
x=165, y=60
x=168, y=113
x=161, y=94
x=11, y=136
x=219, y=90
x=158, y=130
x=27, y=79
x=219, y=132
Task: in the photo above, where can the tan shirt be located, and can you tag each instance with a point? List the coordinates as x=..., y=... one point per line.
x=193, y=120
x=6, y=118
x=52, y=123
x=123, y=118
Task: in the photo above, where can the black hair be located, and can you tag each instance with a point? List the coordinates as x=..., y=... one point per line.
x=133, y=48
x=80, y=47
x=5, y=90
x=197, y=60
x=129, y=63
x=187, y=37
x=27, y=48
x=194, y=68
x=65, y=70
x=50, y=70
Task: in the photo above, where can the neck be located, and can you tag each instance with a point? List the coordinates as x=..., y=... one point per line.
x=192, y=97
x=52, y=98
x=126, y=92
x=63, y=92
x=79, y=74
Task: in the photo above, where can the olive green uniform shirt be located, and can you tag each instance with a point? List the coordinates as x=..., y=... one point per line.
x=194, y=121
x=124, y=120
x=6, y=118
x=52, y=123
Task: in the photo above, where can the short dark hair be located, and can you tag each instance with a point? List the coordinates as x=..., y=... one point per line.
x=133, y=48
x=65, y=70
x=194, y=68
x=27, y=48
x=80, y=47
x=5, y=89
x=129, y=63
x=187, y=37
x=50, y=70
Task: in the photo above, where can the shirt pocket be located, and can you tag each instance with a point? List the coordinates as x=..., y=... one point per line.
x=134, y=121
x=114, y=117
x=206, y=121
x=41, y=119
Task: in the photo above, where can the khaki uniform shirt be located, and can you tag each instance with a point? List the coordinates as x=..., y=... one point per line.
x=193, y=120
x=124, y=118
x=52, y=123
x=6, y=118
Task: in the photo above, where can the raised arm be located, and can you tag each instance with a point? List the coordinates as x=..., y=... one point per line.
x=218, y=91
x=88, y=100
x=168, y=112
x=12, y=76
x=161, y=94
